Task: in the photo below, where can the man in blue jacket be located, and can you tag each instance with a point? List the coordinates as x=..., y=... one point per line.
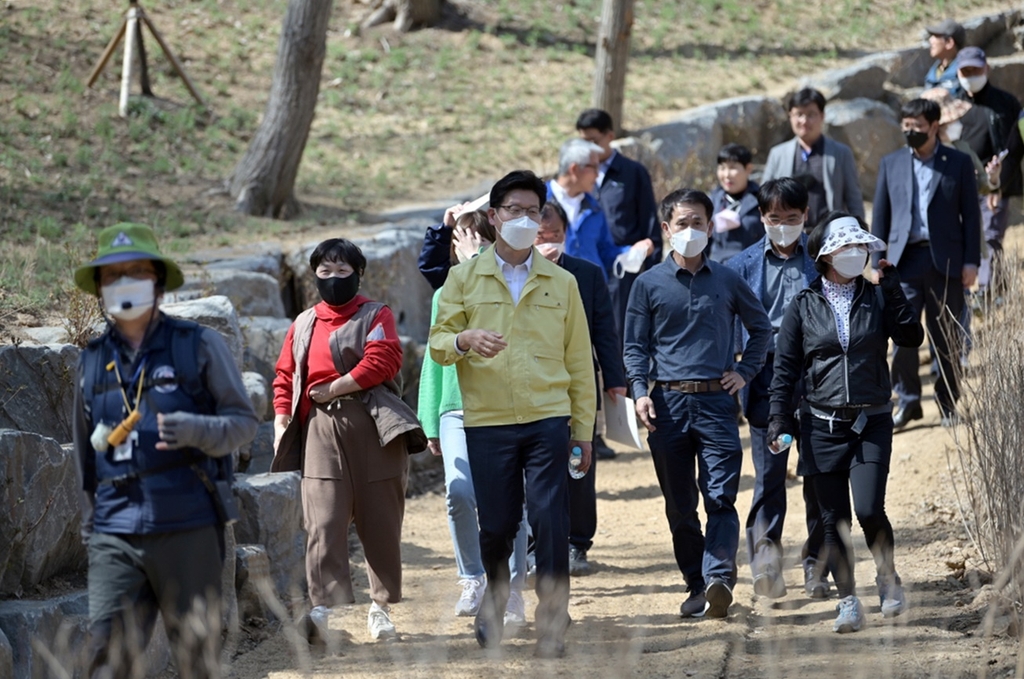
x=776, y=268
x=159, y=408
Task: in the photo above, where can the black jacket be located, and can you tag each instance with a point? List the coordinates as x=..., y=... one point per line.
x=627, y=199
x=808, y=346
x=598, y=306
x=987, y=130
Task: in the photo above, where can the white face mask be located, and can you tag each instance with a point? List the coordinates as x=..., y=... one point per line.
x=972, y=83
x=551, y=251
x=689, y=242
x=128, y=298
x=954, y=130
x=784, y=234
x=850, y=263
x=630, y=261
x=520, y=233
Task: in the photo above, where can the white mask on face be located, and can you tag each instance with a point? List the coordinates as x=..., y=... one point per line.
x=954, y=130
x=551, y=251
x=784, y=234
x=689, y=242
x=128, y=298
x=972, y=83
x=520, y=233
x=850, y=263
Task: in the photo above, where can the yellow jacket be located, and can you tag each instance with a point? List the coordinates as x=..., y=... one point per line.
x=547, y=370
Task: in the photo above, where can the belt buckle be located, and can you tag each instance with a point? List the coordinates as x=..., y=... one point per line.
x=689, y=387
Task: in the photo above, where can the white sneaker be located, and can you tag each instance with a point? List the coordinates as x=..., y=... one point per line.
x=472, y=596
x=378, y=622
x=319, y=616
x=515, y=610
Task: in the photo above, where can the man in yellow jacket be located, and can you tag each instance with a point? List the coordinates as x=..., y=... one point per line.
x=514, y=325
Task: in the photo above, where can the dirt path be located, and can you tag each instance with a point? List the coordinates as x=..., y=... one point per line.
x=625, y=614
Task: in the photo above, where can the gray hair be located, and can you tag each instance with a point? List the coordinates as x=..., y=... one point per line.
x=575, y=151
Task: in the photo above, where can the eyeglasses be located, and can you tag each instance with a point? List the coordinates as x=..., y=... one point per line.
x=139, y=272
x=517, y=211
x=788, y=221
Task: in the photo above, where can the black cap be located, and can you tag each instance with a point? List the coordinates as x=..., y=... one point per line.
x=949, y=29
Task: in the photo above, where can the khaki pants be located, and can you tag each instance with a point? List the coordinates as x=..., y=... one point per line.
x=348, y=477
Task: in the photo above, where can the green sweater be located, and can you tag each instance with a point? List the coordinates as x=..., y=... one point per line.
x=439, y=388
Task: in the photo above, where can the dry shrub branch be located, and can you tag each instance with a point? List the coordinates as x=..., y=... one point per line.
x=987, y=461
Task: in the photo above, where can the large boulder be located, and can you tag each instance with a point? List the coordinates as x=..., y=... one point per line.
x=1007, y=73
x=271, y=515
x=258, y=392
x=40, y=514
x=870, y=129
x=426, y=473
x=391, y=277
x=983, y=30
x=61, y=625
x=861, y=79
x=260, y=449
x=263, y=337
x=37, y=386
x=685, y=151
x=214, y=312
x=6, y=657
x=251, y=293
x=251, y=567
x=906, y=67
x=265, y=258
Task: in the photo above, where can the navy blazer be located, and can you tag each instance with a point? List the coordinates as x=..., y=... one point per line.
x=597, y=304
x=728, y=244
x=954, y=216
x=627, y=200
x=749, y=264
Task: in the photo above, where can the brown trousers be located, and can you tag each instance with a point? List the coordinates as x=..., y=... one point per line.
x=348, y=477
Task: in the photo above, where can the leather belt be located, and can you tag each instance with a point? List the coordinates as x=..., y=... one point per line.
x=847, y=414
x=692, y=386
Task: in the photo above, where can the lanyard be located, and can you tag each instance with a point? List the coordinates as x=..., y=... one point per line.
x=140, y=375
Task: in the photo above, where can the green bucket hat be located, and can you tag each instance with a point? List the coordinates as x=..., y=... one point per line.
x=125, y=242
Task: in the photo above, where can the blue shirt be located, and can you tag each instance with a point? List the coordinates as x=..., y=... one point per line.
x=783, y=278
x=924, y=173
x=679, y=326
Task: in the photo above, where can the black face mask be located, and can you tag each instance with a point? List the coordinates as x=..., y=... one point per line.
x=338, y=291
x=915, y=139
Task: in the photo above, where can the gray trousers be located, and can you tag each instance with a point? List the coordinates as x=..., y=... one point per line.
x=133, y=577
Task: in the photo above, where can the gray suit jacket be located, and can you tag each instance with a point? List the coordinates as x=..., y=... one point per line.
x=842, y=189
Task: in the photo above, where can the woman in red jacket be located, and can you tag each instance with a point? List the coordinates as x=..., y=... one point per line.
x=338, y=364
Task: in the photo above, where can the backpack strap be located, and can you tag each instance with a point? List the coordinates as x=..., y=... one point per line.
x=185, y=339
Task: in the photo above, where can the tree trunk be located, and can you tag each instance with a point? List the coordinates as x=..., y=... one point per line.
x=612, y=55
x=264, y=181
x=405, y=13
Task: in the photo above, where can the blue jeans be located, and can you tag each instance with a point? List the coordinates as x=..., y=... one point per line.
x=699, y=430
x=461, y=501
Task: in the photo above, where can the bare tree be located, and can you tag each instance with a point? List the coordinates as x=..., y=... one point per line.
x=612, y=55
x=263, y=183
x=404, y=13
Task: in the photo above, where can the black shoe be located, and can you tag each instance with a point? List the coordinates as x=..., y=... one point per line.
x=719, y=596
x=489, y=627
x=905, y=413
x=578, y=564
x=694, y=605
x=601, y=449
x=815, y=583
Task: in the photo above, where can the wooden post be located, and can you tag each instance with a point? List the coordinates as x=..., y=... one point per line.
x=130, y=36
x=107, y=53
x=611, y=58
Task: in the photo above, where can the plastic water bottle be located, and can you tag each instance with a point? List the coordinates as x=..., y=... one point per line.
x=783, y=443
x=575, y=461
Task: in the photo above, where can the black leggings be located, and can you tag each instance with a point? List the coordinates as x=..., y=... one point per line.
x=867, y=481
